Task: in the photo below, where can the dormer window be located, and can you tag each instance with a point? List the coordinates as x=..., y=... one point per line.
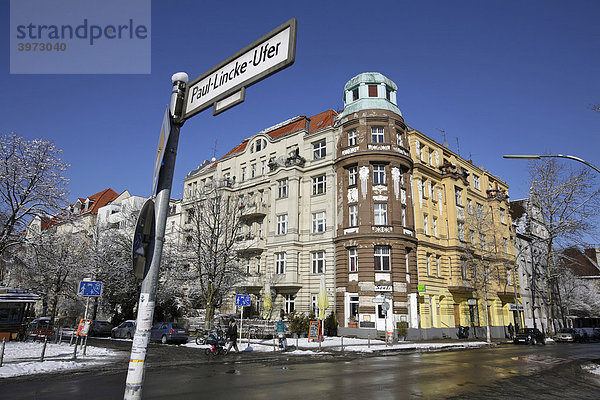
x=372, y=90
x=355, y=94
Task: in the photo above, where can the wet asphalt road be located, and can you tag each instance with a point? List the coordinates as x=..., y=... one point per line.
x=505, y=372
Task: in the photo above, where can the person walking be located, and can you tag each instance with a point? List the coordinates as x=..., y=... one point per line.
x=281, y=328
x=232, y=335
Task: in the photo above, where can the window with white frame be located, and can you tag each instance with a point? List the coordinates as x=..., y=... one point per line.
x=437, y=266
x=280, y=261
x=353, y=304
x=252, y=170
x=472, y=237
x=377, y=134
x=505, y=245
x=352, y=138
x=403, y=215
x=263, y=167
x=283, y=188
x=502, y=215
x=378, y=174
x=290, y=301
x=353, y=215
x=282, y=221
x=352, y=174
x=435, y=229
x=469, y=206
x=314, y=303
x=458, y=196
x=509, y=276
x=258, y=261
x=243, y=174
x=425, y=224
x=399, y=138
x=382, y=258
x=248, y=264
x=431, y=156
x=380, y=214
x=461, y=231
x=476, y=184
x=319, y=184
x=422, y=154
x=352, y=259
x=318, y=262
x=428, y=258
x=319, y=149
x=318, y=220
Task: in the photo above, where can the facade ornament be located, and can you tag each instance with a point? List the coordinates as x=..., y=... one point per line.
x=363, y=174
x=396, y=180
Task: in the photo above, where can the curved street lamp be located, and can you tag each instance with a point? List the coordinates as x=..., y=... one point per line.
x=538, y=156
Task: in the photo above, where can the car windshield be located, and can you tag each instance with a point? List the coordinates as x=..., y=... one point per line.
x=525, y=330
x=176, y=326
x=566, y=330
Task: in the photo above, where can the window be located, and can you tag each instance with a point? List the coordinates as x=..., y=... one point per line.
x=435, y=231
x=377, y=134
x=280, y=261
x=458, y=196
x=461, y=231
x=353, y=215
x=379, y=174
x=283, y=188
x=352, y=138
x=403, y=216
x=431, y=156
x=352, y=174
x=437, y=266
x=248, y=266
x=399, y=138
x=505, y=245
x=428, y=264
x=479, y=210
x=355, y=94
x=469, y=206
x=422, y=154
x=258, y=265
x=464, y=269
x=263, y=167
x=502, y=217
x=425, y=224
x=483, y=241
x=382, y=258
x=472, y=237
x=352, y=259
x=314, y=303
x=318, y=262
x=252, y=170
x=372, y=90
x=380, y=214
x=243, y=174
x=319, y=184
x=353, y=307
x=476, y=182
x=509, y=276
x=290, y=300
x=320, y=150
x=282, y=224
x=318, y=222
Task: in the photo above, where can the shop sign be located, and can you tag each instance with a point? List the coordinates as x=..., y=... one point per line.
x=383, y=288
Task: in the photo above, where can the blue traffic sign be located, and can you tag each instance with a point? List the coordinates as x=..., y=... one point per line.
x=242, y=300
x=90, y=288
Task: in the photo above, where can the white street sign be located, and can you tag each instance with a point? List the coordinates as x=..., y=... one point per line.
x=269, y=54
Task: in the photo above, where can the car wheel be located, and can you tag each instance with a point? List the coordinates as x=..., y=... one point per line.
x=163, y=340
x=200, y=340
x=224, y=351
x=128, y=335
x=533, y=341
x=207, y=352
x=112, y=335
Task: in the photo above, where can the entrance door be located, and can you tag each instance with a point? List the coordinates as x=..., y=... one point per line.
x=384, y=313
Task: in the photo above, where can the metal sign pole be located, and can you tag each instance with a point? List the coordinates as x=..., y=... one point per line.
x=145, y=313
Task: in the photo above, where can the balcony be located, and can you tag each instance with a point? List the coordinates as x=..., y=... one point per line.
x=249, y=243
x=460, y=285
x=253, y=210
x=289, y=280
x=252, y=282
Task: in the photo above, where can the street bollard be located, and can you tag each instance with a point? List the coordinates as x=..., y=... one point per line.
x=60, y=336
x=75, y=348
x=71, y=341
x=342, y=338
x=296, y=342
x=369, y=341
x=44, y=349
x=274, y=343
x=85, y=346
x=2, y=351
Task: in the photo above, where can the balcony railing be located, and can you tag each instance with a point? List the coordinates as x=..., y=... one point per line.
x=289, y=279
x=249, y=242
x=256, y=209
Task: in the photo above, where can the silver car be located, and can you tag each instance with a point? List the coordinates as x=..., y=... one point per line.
x=126, y=330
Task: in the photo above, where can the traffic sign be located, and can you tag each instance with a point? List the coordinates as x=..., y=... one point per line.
x=90, y=288
x=143, y=240
x=162, y=143
x=224, y=85
x=242, y=300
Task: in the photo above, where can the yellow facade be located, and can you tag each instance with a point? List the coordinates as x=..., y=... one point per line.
x=447, y=192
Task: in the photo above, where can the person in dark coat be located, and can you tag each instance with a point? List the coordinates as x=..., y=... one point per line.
x=511, y=330
x=232, y=334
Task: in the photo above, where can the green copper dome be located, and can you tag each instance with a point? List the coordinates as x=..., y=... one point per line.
x=370, y=90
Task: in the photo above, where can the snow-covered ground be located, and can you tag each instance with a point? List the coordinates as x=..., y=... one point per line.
x=350, y=345
x=23, y=358
x=592, y=368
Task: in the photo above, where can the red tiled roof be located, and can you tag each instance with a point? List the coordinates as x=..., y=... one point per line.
x=101, y=199
x=317, y=122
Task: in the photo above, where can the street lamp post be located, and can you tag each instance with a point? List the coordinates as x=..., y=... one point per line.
x=538, y=156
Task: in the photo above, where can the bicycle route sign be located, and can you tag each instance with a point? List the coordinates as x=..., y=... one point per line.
x=242, y=300
x=90, y=288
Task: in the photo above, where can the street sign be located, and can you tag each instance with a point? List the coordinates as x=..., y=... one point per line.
x=162, y=143
x=90, y=288
x=242, y=300
x=143, y=240
x=224, y=85
x=420, y=288
x=84, y=327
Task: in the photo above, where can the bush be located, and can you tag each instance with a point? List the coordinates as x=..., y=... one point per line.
x=330, y=325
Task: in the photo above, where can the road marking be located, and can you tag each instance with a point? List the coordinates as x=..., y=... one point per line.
x=544, y=360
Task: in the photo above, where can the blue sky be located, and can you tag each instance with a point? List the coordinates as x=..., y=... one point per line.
x=502, y=77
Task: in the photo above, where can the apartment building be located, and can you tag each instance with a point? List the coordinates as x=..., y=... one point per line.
x=453, y=200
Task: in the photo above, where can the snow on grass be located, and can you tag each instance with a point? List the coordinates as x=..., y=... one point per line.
x=23, y=358
x=592, y=368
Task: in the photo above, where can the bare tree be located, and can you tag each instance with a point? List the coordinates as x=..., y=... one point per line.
x=31, y=184
x=569, y=202
x=578, y=297
x=211, y=244
x=486, y=255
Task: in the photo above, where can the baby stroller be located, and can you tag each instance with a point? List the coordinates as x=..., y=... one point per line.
x=217, y=344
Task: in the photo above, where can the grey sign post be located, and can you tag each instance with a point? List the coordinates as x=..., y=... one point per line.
x=223, y=87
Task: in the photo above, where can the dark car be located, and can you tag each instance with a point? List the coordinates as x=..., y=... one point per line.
x=166, y=332
x=529, y=336
x=100, y=328
x=125, y=330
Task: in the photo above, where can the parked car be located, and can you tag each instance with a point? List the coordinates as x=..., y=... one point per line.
x=125, y=330
x=100, y=328
x=568, y=335
x=529, y=336
x=40, y=328
x=165, y=332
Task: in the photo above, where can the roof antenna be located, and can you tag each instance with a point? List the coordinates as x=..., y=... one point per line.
x=215, y=149
x=457, y=147
x=445, y=143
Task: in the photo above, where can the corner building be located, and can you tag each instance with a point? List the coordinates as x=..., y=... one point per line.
x=375, y=244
